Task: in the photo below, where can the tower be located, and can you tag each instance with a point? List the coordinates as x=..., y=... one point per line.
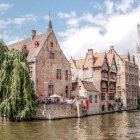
x=138, y=48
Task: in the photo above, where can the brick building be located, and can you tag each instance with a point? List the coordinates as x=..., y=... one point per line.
x=127, y=79
x=49, y=68
x=99, y=68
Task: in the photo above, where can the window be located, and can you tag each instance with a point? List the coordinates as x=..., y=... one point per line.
x=51, y=55
x=104, y=85
x=58, y=75
x=104, y=75
x=36, y=44
x=112, y=76
x=102, y=96
x=111, y=96
x=66, y=75
x=67, y=91
x=51, y=44
x=90, y=98
x=95, y=98
x=112, y=85
x=50, y=89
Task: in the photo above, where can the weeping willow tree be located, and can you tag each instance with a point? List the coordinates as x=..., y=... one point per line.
x=138, y=106
x=17, y=98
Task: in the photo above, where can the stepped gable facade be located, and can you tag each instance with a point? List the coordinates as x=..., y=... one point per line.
x=127, y=79
x=99, y=68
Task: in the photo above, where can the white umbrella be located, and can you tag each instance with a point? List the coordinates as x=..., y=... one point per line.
x=55, y=96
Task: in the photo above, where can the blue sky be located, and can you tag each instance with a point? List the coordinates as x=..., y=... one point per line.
x=79, y=25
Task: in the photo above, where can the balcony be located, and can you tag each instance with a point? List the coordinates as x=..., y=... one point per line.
x=104, y=90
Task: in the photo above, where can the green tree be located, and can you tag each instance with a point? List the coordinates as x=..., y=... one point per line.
x=17, y=97
x=138, y=106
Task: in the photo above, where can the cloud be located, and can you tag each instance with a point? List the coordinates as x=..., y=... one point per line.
x=66, y=15
x=124, y=6
x=6, y=26
x=13, y=39
x=4, y=7
x=46, y=17
x=18, y=21
x=109, y=6
x=23, y=19
x=107, y=28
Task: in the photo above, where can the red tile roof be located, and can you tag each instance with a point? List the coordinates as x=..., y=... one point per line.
x=30, y=45
x=98, y=59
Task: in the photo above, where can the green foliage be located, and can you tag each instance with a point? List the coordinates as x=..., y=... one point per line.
x=138, y=107
x=17, y=98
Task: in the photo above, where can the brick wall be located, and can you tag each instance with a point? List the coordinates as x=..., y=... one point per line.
x=46, y=69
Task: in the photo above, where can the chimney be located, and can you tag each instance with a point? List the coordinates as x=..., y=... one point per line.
x=33, y=34
x=90, y=58
x=111, y=47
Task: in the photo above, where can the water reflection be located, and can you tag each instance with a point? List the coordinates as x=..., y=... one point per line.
x=118, y=126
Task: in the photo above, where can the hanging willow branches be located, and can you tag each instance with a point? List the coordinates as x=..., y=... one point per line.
x=17, y=98
x=138, y=106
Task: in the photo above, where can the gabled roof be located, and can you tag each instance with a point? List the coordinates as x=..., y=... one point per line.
x=98, y=59
x=110, y=58
x=30, y=45
x=89, y=86
x=79, y=62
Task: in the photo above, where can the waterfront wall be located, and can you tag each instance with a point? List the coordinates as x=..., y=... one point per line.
x=55, y=111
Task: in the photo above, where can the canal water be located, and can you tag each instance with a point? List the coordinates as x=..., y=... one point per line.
x=116, y=126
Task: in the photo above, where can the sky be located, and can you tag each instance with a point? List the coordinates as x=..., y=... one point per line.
x=79, y=25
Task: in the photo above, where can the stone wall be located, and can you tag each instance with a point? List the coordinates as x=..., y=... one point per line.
x=55, y=111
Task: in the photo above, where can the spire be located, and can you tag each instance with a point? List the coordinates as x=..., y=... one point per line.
x=128, y=56
x=138, y=30
x=134, y=59
x=50, y=23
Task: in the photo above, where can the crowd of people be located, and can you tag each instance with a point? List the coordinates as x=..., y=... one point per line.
x=55, y=100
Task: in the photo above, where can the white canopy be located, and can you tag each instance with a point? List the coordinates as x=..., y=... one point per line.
x=55, y=96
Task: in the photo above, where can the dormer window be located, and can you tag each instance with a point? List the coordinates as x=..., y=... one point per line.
x=24, y=47
x=36, y=44
x=51, y=44
x=25, y=51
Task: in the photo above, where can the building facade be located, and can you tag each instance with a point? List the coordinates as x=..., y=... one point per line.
x=88, y=94
x=96, y=68
x=127, y=79
x=49, y=68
